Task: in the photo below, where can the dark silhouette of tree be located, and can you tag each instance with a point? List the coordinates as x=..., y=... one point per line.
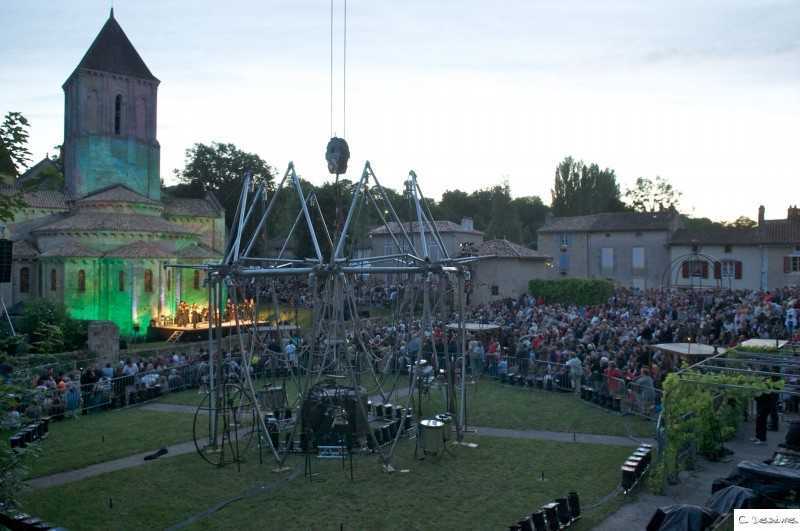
x=653, y=195
x=581, y=189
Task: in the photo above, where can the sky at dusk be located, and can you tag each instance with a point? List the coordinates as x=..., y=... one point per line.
x=467, y=93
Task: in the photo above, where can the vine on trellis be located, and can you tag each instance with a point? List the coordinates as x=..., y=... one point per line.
x=700, y=412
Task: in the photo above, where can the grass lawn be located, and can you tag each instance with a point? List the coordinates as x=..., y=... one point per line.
x=484, y=488
x=496, y=405
x=86, y=440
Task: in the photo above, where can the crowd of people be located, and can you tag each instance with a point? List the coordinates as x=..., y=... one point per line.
x=608, y=346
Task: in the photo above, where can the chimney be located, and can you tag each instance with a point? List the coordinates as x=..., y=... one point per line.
x=793, y=214
x=467, y=224
x=761, y=215
x=548, y=218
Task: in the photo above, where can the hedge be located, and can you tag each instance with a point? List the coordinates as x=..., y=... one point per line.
x=583, y=292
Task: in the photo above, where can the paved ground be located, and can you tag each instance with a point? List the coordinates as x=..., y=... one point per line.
x=560, y=436
x=695, y=486
x=109, y=466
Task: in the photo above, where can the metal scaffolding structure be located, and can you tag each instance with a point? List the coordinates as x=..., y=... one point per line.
x=333, y=345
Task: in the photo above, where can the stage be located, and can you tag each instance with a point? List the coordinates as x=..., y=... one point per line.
x=198, y=332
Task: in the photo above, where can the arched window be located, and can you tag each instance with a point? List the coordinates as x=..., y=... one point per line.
x=196, y=279
x=118, y=114
x=24, y=280
x=81, y=281
x=148, y=281
x=53, y=280
x=141, y=117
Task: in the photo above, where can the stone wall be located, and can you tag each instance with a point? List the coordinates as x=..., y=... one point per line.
x=104, y=341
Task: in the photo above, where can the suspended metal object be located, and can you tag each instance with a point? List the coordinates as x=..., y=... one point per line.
x=337, y=154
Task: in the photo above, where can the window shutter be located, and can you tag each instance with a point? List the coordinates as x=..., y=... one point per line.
x=738, y=270
x=705, y=269
x=685, y=270
x=717, y=270
x=787, y=264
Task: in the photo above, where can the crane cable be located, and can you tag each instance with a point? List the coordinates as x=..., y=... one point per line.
x=344, y=68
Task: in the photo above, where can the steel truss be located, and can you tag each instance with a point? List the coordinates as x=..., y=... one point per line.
x=334, y=344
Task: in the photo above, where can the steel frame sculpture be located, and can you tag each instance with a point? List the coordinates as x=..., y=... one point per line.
x=334, y=345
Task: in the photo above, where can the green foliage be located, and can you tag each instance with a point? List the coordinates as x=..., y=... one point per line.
x=220, y=168
x=581, y=189
x=505, y=221
x=583, y=292
x=700, y=224
x=493, y=211
x=702, y=411
x=653, y=195
x=742, y=222
x=13, y=470
x=50, y=329
x=14, y=138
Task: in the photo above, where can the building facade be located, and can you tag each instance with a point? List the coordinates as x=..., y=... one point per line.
x=765, y=257
x=100, y=241
x=504, y=271
x=630, y=249
x=455, y=238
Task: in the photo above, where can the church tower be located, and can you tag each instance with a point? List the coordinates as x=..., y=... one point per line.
x=110, y=119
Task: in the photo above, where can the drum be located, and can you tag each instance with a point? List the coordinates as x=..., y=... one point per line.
x=387, y=411
x=537, y=519
x=574, y=504
x=564, y=516
x=378, y=410
x=369, y=407
x=432, y=436
x=447, y=420
x=386, y=433
x=398, y=412
x=378, y=433
x=551, y=515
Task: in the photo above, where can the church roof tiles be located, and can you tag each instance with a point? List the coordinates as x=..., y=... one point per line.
x=140, y=249
x=197, y=251
x=113, y=52
x=204, y=207
x=117, y=193
x=104, y=222
x=70, y=248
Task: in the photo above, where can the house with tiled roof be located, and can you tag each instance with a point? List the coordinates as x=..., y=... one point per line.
x=629, y=248
x=99, y=242
x=504, y=270
x=454, y=236
x=764, y=257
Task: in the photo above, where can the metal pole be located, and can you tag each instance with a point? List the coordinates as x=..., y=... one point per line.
x=463, y=340
x=271, y=203
x=212, y=419
x=346, y=228
x=304, y=206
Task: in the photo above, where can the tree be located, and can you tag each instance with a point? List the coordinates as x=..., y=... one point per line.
x=14, y=138
x=581, y=189
x=50, y=329
x=701, y=224
x=220, y=168
x=653, y=195
x=532, y=212
x=505, y=220
x=742, y=222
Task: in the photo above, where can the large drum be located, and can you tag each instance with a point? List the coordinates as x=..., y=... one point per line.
x=432, y=437
x=447, y=420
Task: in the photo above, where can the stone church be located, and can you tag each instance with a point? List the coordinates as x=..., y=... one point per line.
x=99, y=241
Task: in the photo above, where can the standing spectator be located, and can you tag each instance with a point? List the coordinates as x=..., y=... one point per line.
x=575, y=371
